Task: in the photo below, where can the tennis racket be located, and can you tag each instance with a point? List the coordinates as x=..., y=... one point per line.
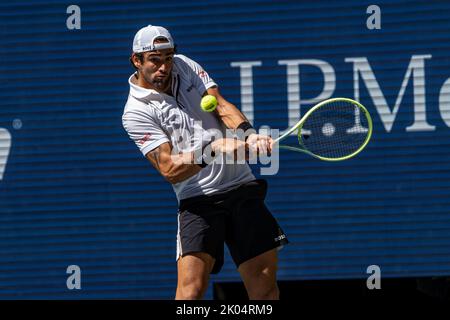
x=333, y=130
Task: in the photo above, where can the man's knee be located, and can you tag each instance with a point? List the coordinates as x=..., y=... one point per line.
x=193, y=275
x=191, y=290
x=270, y=292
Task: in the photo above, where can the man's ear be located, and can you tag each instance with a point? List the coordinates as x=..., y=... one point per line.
x=135, y=61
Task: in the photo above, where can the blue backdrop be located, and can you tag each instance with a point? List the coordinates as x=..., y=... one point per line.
x=74, y=190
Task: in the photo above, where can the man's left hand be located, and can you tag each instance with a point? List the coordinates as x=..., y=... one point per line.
x=261, y=144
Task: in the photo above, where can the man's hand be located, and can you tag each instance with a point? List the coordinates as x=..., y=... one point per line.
x=234, y=147
x=260, y=143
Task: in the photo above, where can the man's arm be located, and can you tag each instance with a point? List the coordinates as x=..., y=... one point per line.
x=232, y=117
x=176, y=168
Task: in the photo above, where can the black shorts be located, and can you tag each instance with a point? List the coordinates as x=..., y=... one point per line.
x=238, y=218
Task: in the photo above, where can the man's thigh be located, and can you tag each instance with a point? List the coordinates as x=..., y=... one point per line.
x=195, y=267
x=193, y=275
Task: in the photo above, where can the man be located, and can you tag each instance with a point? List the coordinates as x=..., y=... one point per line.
x=218, y=201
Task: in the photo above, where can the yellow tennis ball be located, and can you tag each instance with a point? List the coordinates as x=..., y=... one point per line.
x=208, y=103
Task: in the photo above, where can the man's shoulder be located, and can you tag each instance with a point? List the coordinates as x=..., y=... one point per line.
x=148, y=101
x=181, y=58
x=184, y=63
x=136, y=105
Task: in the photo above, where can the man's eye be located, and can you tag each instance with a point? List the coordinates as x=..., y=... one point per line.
x=169, y=59
x=155, y=60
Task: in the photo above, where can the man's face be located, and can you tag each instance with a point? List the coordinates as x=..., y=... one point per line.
x=156, y=68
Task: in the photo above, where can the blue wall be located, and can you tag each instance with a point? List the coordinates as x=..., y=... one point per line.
x=76, y=191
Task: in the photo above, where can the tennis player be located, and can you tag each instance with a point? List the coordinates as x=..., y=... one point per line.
x=219, y=202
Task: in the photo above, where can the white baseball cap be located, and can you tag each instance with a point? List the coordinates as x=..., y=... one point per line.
x=145, y=37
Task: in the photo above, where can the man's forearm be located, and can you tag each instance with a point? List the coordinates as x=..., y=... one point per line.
x=183, y=167
x=231, y=116
x=174, y=168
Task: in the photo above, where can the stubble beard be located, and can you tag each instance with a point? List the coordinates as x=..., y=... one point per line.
x=159, y=84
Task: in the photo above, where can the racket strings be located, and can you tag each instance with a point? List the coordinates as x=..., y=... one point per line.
x=336, y=129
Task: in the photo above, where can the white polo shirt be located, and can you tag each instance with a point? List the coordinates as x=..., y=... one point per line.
x=152, y=118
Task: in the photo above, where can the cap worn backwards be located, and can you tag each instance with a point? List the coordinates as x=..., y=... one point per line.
x=145, y=38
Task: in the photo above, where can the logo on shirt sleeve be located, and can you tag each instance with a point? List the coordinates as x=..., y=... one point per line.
x=202, y=73
x=145, y=138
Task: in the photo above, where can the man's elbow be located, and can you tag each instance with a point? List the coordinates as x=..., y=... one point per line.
x=172, y=178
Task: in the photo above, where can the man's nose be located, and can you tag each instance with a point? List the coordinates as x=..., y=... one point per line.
x=164, y=67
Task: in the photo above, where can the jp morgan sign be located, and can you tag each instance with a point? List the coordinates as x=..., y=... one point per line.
x=362, y=70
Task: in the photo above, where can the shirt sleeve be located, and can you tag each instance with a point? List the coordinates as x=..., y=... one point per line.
x=144, y=129
x=198, y=76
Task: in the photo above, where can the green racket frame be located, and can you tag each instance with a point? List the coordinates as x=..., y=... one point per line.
x=298, y=126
